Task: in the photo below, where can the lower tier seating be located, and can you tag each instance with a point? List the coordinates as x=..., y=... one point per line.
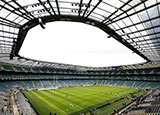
x=6, y=86
x=149, y=106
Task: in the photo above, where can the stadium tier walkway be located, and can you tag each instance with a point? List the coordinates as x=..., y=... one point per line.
x=15, y=109
x=25, y=107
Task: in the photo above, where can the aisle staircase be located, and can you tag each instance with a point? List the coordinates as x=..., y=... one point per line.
x=33, y=84
x=42, y=84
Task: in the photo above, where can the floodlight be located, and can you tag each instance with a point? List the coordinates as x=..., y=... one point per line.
x=42, y=23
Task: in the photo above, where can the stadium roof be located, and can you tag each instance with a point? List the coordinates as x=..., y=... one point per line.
x=134, y=23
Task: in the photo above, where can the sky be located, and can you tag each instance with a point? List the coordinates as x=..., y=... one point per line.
x=77, y=44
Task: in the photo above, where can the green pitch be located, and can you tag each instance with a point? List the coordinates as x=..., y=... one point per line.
x=75, y=100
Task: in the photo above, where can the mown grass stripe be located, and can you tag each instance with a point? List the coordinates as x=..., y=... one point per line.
x=77, y=95
x=38, y=105
x=65, y=104
x=70, y=99
x=51, y=105
x=88, y=97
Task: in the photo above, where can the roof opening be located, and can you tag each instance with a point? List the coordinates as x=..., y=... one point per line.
x=77, y=44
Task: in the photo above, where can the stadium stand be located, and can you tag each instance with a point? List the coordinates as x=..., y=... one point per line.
x=148, y=105
x=38, y=82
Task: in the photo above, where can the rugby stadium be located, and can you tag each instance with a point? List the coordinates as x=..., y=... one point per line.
x=35, y=87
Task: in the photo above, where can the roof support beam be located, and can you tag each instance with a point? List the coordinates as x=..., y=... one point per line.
x=23, y=32
x=9, y=25
x=92, y=10
x=153, y=47
x=150, y=39
x=52, y=8
x=80, y=6
x=117, y=10
x=58, y=7
x=14, y=11
x=120, y=39
x=6, y=44
x=157, y=17
x=47, y=8
x=146, y=29
x=113, y=21
x=7, y=37
x=5, y=53
x=11, y=22
x=144, y=35
x=147, y=44
x=8, y=32
x=88, y=5
x=127, y=10
x=23, y=8
x=148, y=50
x=42, y=3
x=6, y=41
